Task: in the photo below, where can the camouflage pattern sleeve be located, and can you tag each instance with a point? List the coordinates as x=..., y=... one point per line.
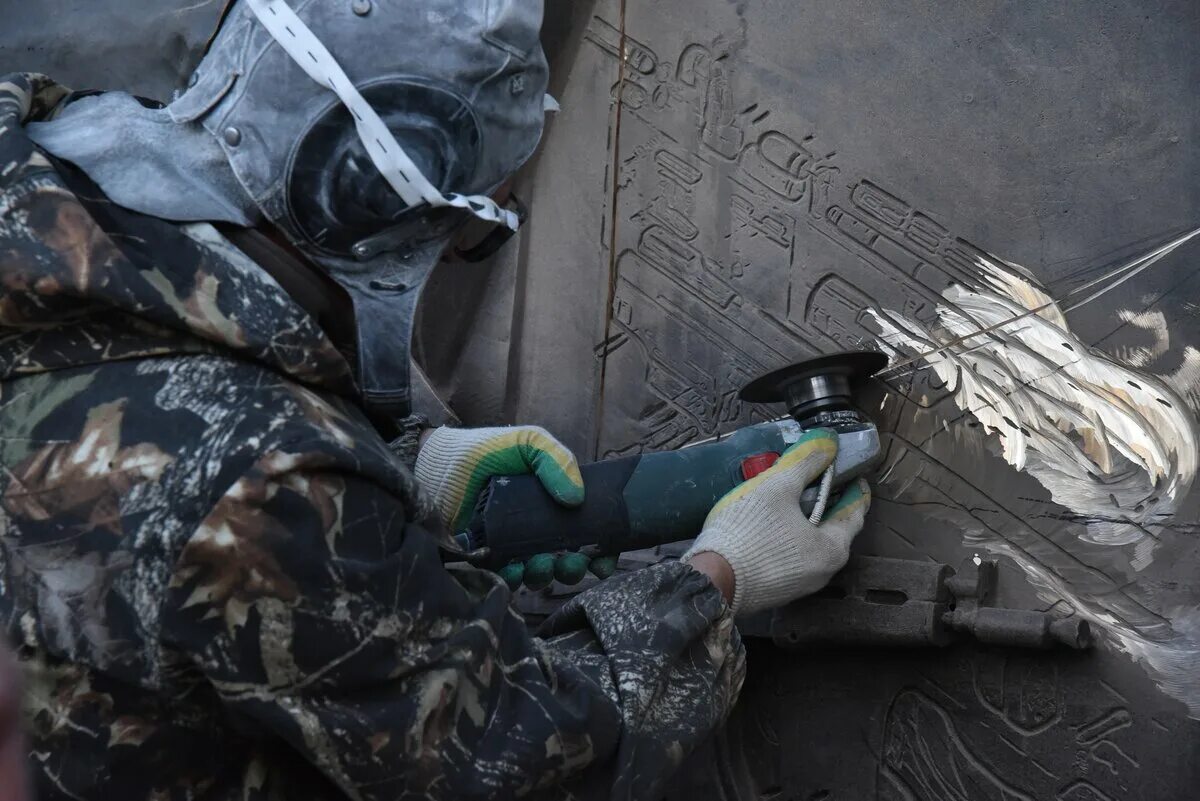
x=662, y=644
x=325, y=618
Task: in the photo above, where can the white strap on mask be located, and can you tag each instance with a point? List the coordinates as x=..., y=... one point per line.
x=388, y=157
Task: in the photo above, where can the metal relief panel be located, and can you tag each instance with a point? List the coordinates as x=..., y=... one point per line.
x=787, y=175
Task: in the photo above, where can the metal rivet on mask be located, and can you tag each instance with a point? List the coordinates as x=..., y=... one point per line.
x=516, y=84
x=195, y=79
x=232, y=136
x=362, y=251
x=361, y=7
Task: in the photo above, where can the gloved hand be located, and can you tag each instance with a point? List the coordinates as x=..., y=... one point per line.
x=776, y=553
x=455, y=464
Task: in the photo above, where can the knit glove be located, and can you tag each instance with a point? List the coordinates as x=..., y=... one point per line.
x=455, y=464
x=777, y=554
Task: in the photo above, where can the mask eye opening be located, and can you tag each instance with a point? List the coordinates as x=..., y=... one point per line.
x=437, y=128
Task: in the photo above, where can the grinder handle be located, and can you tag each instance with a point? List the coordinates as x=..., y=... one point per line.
x=516, y=517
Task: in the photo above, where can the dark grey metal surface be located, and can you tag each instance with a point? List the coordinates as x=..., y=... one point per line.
x=734, y=198
x=144, y=47
x=968, y=724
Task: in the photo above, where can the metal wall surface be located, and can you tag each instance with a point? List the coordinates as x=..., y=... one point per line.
x=147, y=48
x=755, y=183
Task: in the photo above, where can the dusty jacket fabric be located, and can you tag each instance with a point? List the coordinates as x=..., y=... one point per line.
x=222, y=584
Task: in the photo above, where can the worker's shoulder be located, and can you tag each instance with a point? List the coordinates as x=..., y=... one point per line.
x=229, y=410
x=172, y=434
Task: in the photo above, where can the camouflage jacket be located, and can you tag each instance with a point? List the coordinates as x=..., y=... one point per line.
x=223, y=585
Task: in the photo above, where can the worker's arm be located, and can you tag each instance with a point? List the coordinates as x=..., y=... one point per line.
x=320, y=612
x=14, y=783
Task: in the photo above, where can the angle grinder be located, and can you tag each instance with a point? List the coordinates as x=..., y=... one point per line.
x=652, y=499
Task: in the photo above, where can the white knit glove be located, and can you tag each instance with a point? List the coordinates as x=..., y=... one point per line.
x=455, y=464
x=777, y=555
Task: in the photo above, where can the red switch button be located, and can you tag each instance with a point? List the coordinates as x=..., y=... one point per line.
x=753, y=465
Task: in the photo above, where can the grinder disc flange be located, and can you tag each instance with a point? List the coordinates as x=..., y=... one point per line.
x=815, y=385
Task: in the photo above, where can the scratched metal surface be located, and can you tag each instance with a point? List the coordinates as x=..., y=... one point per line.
x=736, y=195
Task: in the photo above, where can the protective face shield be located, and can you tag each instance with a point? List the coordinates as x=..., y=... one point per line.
x=368, y=131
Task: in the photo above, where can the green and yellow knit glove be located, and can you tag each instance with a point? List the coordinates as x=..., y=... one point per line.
x=455, y=464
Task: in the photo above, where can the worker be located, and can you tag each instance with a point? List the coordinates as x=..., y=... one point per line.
x=14, y=784
x=220, y=578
